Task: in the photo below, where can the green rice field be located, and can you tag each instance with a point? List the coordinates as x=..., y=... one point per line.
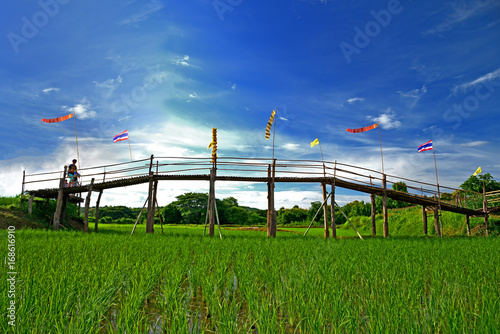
x=183, y=282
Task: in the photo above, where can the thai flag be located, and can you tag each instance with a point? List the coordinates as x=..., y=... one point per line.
x=121, y=136
x=425, y=147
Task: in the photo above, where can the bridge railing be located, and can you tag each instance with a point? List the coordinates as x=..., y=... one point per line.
x=248, y=167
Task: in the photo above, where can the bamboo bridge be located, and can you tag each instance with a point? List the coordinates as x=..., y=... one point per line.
x=269, y=171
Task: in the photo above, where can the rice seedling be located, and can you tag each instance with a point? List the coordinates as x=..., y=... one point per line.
x=182, y=282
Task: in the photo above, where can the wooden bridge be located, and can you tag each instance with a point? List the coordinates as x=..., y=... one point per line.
x=270, y=171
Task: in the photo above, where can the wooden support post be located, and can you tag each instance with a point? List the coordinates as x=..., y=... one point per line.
x=64, y=206
x=332, y=205
x=467, y=223
x=30, y=204
x=155, y=201
x=57, y=214
x=47, y=202
x=97, y=211
x=325, y=211
x=424, y=218
x=22, y=189
x=150, y=220
x=211, y=204
x=271, y=212
x=485, y=210
x=373, y=214
x=436, y=222
x=384, y=207
x=87, y=207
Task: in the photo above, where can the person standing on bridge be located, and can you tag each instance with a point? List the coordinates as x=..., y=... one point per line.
x=73, y=174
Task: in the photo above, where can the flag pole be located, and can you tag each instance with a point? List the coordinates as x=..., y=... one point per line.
x=274, y=129
x=439, y=194
x=76, y=138
x=381, y=155
x=130, y=149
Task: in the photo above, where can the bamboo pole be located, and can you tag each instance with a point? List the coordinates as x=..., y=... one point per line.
x=159, y=213
x=436, y=222
x=30, y=205
x=139, y=216
x=381, y=155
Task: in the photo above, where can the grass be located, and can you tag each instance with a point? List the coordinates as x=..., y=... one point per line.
x=182, y=282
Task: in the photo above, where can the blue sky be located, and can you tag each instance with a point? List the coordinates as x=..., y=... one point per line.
x=169, y=71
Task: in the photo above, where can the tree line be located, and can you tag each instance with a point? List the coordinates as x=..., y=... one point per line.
x=191, y=208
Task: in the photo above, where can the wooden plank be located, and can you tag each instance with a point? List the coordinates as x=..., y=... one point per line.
x=211, y=203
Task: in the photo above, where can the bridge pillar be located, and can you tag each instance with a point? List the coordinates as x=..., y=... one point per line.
x=424, y=218
x=97, y=211
x=332, y=204
x=211, y=203
x=436, y=222
x=485, y=210
x=325, y=211
x=87, y=205
x=271, y=212
x=150, y=220
x=467, y=222
x=373, y=213
x=57, y=214
x=384, y=207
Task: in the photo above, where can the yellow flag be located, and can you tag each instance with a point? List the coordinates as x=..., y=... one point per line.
x=315, y=142
x=477, y=171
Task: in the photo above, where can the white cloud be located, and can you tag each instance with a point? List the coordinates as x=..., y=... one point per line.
x=290, y=146
x=462, y=11
x=283, y=118
x=355, y=99
x=144, y=13
x=182, y=61
x=415, y=93
x=430, y=128
x=50, y=89
x=487, y=77
x=474, y=143
x=82, y=110
x=233, y=87
x=387, y=119
x=110, y=83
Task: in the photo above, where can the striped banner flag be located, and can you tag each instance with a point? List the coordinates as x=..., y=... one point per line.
x=121, y=136
x=366, y=128
x=58, y=119
x=425, y=147
x=270, y=124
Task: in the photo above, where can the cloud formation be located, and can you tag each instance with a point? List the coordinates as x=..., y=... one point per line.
x=387, y=119
x=82, y=110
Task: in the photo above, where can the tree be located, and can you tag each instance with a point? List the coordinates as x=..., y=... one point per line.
x=192, y=206
x=236, y=216
x=293, y=215
x=475, y=183
x=171, y=214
